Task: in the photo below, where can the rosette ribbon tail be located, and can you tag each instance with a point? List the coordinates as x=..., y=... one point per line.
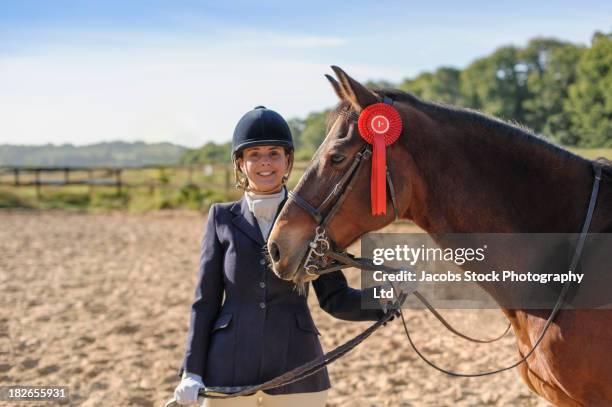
x=379, y=125
x=378, y=184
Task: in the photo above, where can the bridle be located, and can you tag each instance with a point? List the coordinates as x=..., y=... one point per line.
x=322, y=245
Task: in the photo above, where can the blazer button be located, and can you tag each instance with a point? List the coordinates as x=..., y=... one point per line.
x=262, y=284
x=262, y=305
x=262, y=262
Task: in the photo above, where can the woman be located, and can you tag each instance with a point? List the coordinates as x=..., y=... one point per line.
x=263, y=327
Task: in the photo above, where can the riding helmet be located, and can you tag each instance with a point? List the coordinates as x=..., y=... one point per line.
x=261, y=126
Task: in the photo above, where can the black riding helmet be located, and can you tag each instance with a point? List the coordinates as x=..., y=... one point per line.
x=259, y=127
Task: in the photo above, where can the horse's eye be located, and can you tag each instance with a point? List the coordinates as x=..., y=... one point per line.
x=337, y=158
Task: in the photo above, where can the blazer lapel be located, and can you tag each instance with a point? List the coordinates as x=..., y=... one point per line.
x=246, y=222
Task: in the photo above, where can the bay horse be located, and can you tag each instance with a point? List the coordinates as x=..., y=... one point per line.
x=456, y=170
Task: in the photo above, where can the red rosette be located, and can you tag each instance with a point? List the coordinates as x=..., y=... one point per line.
x=380, y=119
x=380, y=125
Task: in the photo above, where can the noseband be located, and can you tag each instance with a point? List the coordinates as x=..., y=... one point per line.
x=322, y=245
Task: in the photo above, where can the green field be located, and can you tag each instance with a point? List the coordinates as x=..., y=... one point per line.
x=150, y=189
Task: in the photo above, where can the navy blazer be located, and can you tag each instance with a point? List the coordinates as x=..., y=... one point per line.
x=263, y=327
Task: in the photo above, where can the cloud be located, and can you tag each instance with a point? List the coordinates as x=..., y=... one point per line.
x=188, y=90
x=290, y=41
x=84, y=96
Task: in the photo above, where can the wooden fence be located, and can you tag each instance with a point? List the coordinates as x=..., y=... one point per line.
x=205, y=176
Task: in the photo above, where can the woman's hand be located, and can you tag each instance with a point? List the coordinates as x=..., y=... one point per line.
x=398, y=288
x=187, y=390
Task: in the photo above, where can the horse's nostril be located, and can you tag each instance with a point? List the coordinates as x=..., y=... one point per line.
x=274, y=252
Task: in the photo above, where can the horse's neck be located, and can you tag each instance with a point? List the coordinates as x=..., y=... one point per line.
x=470, y=179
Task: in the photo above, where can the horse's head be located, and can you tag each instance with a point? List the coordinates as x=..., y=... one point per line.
x=328, y=185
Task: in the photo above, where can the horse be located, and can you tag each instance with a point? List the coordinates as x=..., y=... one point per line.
x=456, y=170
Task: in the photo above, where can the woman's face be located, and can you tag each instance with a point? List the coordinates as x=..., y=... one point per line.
x=264, y=166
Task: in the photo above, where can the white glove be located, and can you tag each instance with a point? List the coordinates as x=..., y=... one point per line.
x=187, y=390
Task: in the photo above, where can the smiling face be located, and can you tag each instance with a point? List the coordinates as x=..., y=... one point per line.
x=264, y=166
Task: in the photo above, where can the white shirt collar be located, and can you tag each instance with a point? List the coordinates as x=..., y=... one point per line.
x=265, y=206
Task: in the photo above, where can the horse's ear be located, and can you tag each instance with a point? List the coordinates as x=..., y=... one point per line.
x=358, y=95
x=336, y=86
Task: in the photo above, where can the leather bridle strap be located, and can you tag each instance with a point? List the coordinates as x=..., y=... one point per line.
x=392, y=193
x=314, y=212
x=338, y=192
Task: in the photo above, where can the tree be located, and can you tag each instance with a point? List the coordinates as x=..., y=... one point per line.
x=444, y=85
x=314, y=131
x=296, y=126
x=550, y=71
x=496, y=84
x=209, y=153
x=379, y=84
x=590, y=97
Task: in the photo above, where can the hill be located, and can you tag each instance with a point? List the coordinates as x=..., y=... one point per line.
x=117, y=153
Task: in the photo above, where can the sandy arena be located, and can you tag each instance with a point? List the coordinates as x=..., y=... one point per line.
x=100, y=303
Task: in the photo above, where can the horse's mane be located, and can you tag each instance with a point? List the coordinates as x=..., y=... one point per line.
x=472, y=117
x=478, y=118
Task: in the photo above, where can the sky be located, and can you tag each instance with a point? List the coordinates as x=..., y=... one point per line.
x=85, y=71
